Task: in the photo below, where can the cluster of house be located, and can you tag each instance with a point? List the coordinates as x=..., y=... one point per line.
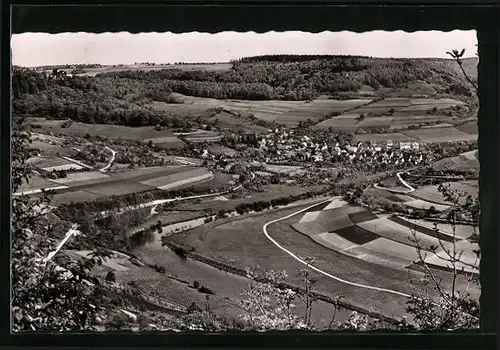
x=284, y=147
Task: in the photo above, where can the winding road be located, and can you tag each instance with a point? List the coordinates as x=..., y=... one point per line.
x=338, y=279
x=403, y=182
x=300, y=260
x=110, y=163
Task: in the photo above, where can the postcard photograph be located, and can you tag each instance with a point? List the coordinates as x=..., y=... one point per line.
x=245, y=181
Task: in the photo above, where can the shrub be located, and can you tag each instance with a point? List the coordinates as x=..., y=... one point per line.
x=160, y=269
x=196, y=284
x=205, y=290
x=110, y=276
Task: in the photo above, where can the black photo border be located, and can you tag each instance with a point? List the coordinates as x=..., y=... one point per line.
x=263, y=16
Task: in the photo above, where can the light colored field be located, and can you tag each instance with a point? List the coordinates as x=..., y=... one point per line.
x=398, y=233
x=68, y=166
x=46, y=138
x=441, y=125
x=310, y=216
x=331, y=221
x=439, y=135
x=341, y=120
x=309, y=228
x=433, y=101
x=385, y=105
x=377, y=258
x=464, y=249
x=427, y=106
x=204, y=139
x=417, y=119
x=44, y=123
x=394, y=101
x=333, y=241
x=403, y=197
x=379, y=193
x=77, y=162
x=47, y=162
x=471, y=155
x=178, y=179
x=430, y=193
x=422, y=204
x=154, y=171
x=185, y=160
x=389, y=248
x=336, y=203
x=461, y=231
x=217, y=149
x=37, y=191
x=42, y=146
x=84, y=176
x=395, y=137
x=189, y=181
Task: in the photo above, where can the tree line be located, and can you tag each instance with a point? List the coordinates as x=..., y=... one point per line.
x=302, y=77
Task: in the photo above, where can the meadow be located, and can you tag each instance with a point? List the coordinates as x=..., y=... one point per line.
x=144, y=67
x=430, y=135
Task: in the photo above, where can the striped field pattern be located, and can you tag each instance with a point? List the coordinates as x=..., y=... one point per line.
x=384, y=239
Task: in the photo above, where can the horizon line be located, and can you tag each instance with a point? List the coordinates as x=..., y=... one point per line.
x=234, y=59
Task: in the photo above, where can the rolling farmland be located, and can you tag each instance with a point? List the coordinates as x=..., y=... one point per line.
x=89, y=185
x=464, y=162
x=439, y=135
x=142, y=133
x=395, y=137
x=279, y=119
x=283, y=112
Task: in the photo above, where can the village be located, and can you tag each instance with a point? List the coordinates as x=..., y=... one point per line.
x=293, y=147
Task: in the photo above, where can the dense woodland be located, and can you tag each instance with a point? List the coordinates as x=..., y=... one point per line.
x=87, y=99
x=304, y=77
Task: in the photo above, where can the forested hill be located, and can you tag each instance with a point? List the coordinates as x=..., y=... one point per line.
x=123, y=97
x=297, y=77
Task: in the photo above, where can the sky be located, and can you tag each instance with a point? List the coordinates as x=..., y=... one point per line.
x=37, y=49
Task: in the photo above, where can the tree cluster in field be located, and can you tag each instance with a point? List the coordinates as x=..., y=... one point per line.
x=291, y=77
x=263, y=205
x=141, y=237
x=429, y=171
x=110, y=231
